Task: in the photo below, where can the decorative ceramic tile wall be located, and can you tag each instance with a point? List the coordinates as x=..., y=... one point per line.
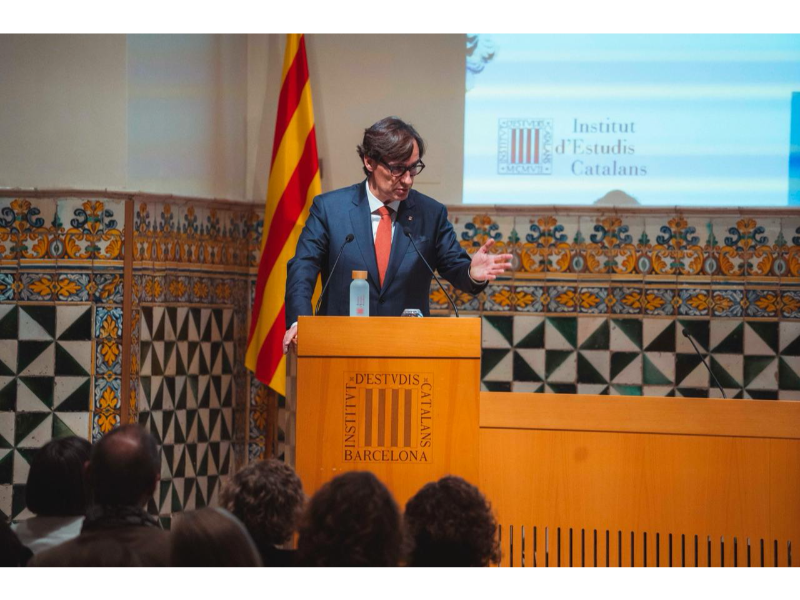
x=186, y=400
x=598, y=303
x=191, y=273
x=61, y=291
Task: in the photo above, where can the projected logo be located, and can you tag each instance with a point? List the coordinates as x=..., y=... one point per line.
x=388, y=417
x=525, y=147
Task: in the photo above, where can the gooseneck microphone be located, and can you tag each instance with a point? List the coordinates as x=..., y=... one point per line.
x=350, y=237
x=407, y=232
x=714, y=377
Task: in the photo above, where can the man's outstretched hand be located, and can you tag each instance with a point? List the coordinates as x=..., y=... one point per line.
x=486, y=266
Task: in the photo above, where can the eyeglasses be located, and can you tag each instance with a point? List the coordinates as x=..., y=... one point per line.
x=400, y=170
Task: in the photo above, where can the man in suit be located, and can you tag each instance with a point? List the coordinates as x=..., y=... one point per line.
x=377, y=213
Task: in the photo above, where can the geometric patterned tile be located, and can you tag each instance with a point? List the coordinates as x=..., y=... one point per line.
x=690, y=372
x=8, y=357
x=626, y=335
x=789, y=338
x=727, y=337
x=528, y=331
x=34, y=394
x=789, y=372
x=73, y=322
x=728, y=369
x=528, y=365
x=561, y=333
x=593, y=333
x=9, y=322
x=37, y=322
x=36, y=358
x=593, y=389
x=593, y=367
x=561, y=388
x=6, y=492
x=761, y=338
x=626, y=390
x=700, y=332
x=187, y=390
x=32, y=429
x=658, y=368
x=626, y=368
x=528, y=387
x=497, y=332
x=658, y=390
x=658, y=335
x=760, y=372
x=561, y=366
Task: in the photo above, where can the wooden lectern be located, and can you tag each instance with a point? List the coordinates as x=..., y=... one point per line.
x=395, y=396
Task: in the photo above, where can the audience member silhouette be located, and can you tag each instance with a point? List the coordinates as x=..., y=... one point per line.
x=450, y=524
x=211, y=537
x=56, y=493
x=267, y=496
x=352, y=521
x=123, y=472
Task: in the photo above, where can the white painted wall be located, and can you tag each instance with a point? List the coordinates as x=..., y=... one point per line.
x=195, y=115
x=187, y=101
x=63, y=111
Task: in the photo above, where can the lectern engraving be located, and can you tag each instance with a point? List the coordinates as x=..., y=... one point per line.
x=388, y=417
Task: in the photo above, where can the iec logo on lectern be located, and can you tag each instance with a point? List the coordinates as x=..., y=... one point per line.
x=525, y=147
x=388, y=417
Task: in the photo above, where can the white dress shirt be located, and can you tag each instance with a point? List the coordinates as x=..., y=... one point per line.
x=374, y=205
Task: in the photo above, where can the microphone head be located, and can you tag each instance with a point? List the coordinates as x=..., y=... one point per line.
x=350, y=237
x=407, y=230
x=685, y=332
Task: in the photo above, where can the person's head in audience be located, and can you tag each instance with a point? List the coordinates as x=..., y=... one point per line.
x=352, y=521
x=211, y=537
x=56, y=484
x=125, y=467
x=267, y=496
x=450, y=524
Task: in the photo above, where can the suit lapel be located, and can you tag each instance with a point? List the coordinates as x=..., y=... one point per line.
x=400, y=243
x=361, y=221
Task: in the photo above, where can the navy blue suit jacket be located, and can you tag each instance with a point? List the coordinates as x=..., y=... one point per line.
x=407, y=283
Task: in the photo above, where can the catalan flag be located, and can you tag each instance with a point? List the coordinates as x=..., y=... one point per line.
x=293, y=182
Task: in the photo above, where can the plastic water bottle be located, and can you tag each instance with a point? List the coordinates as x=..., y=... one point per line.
x=359, y=295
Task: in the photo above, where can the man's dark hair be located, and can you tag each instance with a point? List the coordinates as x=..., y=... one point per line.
x=124, y=467
x=390, y=140
x=267, y=497
x=450, y=524
x=56, y=486
x=352, y=521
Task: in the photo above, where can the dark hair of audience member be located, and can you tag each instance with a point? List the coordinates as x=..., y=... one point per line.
x=125, y=467
x=211, y=537
x=12, y=552
x=267, y=497
x=449, y=523
x=352, y=521
x=56, y=486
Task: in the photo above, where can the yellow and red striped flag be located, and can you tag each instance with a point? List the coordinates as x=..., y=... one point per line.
x=293, y=182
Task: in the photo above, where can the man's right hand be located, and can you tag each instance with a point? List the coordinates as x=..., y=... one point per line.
x=290, y=338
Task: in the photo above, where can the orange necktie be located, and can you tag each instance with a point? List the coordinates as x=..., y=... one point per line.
x=383, y=240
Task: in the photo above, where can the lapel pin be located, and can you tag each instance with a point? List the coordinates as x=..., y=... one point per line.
x=410, y=217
